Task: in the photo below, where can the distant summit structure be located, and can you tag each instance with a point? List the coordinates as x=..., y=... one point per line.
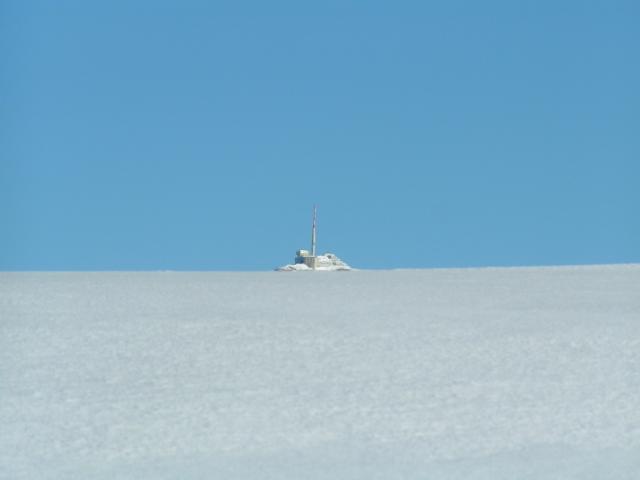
x=308, y=260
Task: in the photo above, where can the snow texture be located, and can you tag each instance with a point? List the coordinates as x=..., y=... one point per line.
x=294, y=267
x=521, y=373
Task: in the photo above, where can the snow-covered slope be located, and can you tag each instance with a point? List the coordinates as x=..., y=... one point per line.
x=432, y=374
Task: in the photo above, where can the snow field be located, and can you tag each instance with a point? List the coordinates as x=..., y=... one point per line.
x=437, y=374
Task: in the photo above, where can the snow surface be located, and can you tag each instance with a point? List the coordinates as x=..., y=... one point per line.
x=294, y=267
x=301, y=267
x=522, y=373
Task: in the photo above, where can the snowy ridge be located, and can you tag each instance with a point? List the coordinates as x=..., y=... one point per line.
x=440, y=374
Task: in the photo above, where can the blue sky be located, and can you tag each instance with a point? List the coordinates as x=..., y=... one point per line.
x=198, y=135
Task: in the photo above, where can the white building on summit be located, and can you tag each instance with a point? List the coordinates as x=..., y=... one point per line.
x=306, y=260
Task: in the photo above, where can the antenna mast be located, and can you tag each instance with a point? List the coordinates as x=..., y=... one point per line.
x=313, y=233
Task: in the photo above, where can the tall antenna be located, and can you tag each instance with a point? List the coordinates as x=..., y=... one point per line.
x=313, y=233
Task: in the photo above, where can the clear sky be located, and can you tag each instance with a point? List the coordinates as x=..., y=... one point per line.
x=197, y=135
